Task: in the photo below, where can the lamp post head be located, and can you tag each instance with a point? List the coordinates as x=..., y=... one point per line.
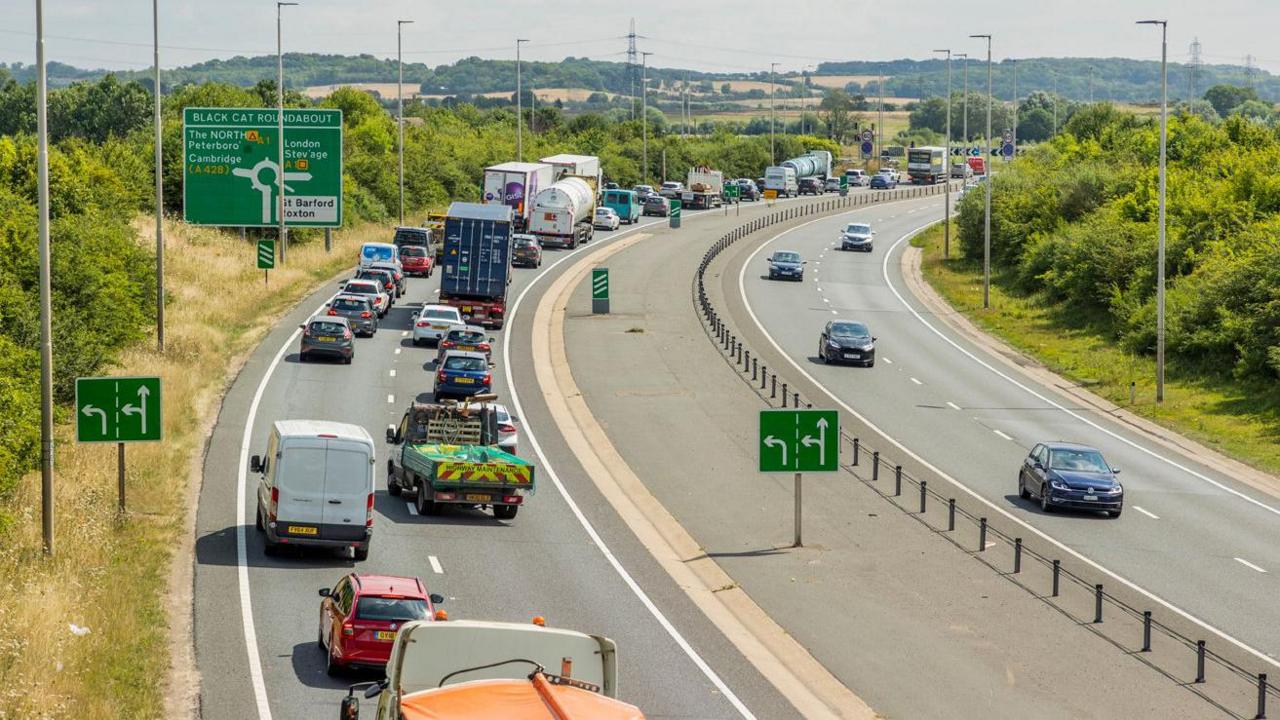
x=1153, y=22
x=404, y=22
x=283, y=4
x=981, y=36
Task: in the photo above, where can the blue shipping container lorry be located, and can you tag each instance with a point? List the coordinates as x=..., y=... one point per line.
x=476, y=267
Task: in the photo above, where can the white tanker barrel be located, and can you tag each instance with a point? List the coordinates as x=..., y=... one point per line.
x=808, y=165
x=571, y=194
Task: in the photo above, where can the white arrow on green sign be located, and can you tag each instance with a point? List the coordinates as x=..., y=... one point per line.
x=118, y=409
x=794, y=441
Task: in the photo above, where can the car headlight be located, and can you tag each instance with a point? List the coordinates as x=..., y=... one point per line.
x=1058, y=485
x=833, y=344
x=1116, y=489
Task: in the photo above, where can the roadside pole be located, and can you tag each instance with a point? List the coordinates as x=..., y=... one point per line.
x=946, y=166
x=284, y=240
x=46, y=304
x=159, y=163
x=798, y=542
x=120, y=476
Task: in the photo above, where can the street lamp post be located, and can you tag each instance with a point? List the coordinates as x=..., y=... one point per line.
x=1015, y=107
x=946, y=168
x=880, y=125
x=1054, y=75
x=644, y=110
x=159, y=163
x=1164, y=130
x=965, y=99
x=46, y=303
x=400, y=108
x=284, y=240
x=519, y=105
x=986, y=227
x=804, y=99
x=773, y=156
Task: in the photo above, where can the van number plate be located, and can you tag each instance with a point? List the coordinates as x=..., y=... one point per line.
x=477, y=498
x=302, y=530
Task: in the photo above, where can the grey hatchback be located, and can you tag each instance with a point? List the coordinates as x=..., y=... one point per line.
x=327, y=335
x=359, y=312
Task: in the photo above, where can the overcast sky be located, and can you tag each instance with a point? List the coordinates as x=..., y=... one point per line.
x=739, y=35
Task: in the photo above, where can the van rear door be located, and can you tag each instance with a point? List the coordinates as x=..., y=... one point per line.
x=348, y=482
x=299, y=482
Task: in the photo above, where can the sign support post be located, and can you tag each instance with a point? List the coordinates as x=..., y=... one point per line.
x=120, y=473
x=798, y=543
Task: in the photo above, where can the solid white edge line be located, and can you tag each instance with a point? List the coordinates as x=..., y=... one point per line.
x=1249, y=565
x=916, y=381
x=435, y=564
x=965, y=488
x=1146, y=512
x=613, y=561
x=952, y=405
x=887, y=360
x=412, y=510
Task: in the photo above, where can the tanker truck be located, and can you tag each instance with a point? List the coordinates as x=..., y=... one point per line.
x=560, y=215
x=815, y=163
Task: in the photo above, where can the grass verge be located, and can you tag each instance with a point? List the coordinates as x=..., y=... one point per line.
x=1239, y=419
x=109, y=575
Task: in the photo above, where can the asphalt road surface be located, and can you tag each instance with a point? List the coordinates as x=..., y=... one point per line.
x=256, y=616
x=1192, y=536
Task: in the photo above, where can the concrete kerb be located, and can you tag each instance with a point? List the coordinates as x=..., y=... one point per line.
x=800, y=678
x=1075, y=606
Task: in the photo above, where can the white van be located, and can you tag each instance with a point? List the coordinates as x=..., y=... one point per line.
x=372, y=252
x=316, y=486
x=781, y=180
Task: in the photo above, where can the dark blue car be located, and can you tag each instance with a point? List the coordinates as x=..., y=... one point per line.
x=462, y=374
x=883, y=182
x=786, y=265
x=1070, y=476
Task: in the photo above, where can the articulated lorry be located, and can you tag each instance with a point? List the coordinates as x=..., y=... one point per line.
x=704, y=190
x=815, y=163
x=561, y=215
x=476, y=262
x=474, y=670
x=514, y=184
x=449, y=456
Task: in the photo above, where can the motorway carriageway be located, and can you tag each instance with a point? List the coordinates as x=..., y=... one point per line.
x=585, y=572
x=1189, y=534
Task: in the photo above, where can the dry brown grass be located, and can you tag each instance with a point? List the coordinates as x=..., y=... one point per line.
x=109, y=573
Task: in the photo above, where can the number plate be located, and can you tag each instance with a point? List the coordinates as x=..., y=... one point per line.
x=464, y=381
x=302, y=530
x=439, y=327
x=851, y=355
x=388, y=635
x=477, y=498
x=466, y=348
x=326, y=338
x=466, y=308
x=1090, y=498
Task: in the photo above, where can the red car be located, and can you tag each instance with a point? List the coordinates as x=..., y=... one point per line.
x=416, y=260
x=360, y=615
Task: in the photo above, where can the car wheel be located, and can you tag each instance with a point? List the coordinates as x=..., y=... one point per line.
x=505, y=512
x=362, y=553
x=269, y=548
x=302, y=357
x=1044, y=499
x=393, y=487
x=347, y=360
x=420, y=501
x=822, y=354
x=417, y=342
x=871, y=362
x=258, y=521
x=331, y=666
x=1113, y=514
x=1022, y=489
x=320, y=638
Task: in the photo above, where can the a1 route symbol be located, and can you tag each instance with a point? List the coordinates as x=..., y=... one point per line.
x=799, y=441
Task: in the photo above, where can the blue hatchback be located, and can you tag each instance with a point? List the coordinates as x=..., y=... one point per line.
x=1067, y=475
x=462, y=374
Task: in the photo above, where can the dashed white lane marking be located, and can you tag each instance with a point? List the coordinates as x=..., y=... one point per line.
x=991, y=543
x=1006, y=437
x=952, y=405
x=412, y=510
x=436, y=291
x=392, y=373
x=1249, y=565
x=1146, y=512
x=826, y=300
x=435, y=565
x=887, y=360
x=398, y=350
x=916, y=381
x=391, y=398
x=833, y=312
x=404, y=333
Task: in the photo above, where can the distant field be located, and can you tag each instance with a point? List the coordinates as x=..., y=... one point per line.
x=839, y=81
x=543, y=94
x=386, y=90
x=745, y=85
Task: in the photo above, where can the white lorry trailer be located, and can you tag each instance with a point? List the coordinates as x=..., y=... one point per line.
x=514, y=184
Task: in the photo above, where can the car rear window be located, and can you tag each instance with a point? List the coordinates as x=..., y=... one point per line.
x=387, y=609
x=413, y=251
x=361, y=288
x=350, y=304
x=325, y=327
x=464, y=363
x=466, y=336
x=440, y=314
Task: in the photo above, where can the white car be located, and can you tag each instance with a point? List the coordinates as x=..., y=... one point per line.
x=433, y=322
x=857, y=236
x=372, y=289
x=857, y=177
x=671, y=189
x=606, y=219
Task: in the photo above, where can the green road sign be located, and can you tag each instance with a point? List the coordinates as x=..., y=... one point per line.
x=266, y=254
x=844, y=182
x=117, y=409
x=731, y=190
x=229, y=167
x=600, y=284
x=675, y=209
x=799, y=441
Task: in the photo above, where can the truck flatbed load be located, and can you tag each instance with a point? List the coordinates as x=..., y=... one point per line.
x=468, y=465
x=538, y=698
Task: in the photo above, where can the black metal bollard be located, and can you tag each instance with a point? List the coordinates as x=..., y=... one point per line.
x=1097, y=603
x=784, y=394
x=855, y=452
x=1017, y=555
x=773, y=387
x=897, y=480
x=755, y=368
x=875, y=466
x=1262, y=697
x=982, y=534
x=951, y=515
x=795, y=399
x=1146, y=631
x=1199, y=661
x=747, y=363
x=924, y=493
x=764, y=371
x=1057, y=571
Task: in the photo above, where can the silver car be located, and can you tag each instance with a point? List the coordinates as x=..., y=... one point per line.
x=359, y=312
x=508, y=433
x=433, y=322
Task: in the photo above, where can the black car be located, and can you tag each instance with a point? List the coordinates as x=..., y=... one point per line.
x=655, y=204
x=786, y=265
x=810, y=186
x=747, y=191
x=1067, y=475
x=359, y=312
x=847, y=341
x=526, y=252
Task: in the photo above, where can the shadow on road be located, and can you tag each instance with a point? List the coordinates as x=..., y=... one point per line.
x=308, y=661
x=219, y=548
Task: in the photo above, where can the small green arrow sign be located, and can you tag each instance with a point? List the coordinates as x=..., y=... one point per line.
x=118, y=409
x=675, y=209
x=600, y=284
x=799, y=441
x=266, y=254
x=731, y=190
